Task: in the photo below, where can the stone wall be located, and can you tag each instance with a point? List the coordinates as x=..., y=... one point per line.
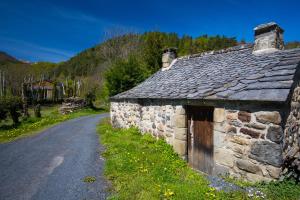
x=246, y=144
x=166, y=121
x=291, y=144
x=125, y=114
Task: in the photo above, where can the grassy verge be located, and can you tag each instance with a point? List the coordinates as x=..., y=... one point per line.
x=32, y=125
x=141, y=167
x=285, y=190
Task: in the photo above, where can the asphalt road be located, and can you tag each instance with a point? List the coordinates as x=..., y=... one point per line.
x=53, y=164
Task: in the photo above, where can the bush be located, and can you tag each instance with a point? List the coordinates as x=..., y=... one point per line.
x=3, y=109
x=11, y=105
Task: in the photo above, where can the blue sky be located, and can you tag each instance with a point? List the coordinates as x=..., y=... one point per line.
x=55, y=30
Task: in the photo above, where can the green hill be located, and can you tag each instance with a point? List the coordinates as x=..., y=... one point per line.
x=90, y=65
x=149, y=45
x=13, y=72
x=5, y=58
x=292, y=45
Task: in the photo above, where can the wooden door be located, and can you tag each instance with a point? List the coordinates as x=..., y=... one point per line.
x=200, y=138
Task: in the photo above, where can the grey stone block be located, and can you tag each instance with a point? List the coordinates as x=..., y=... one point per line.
x=248, y=166
x=275, y=134
x=267, y=153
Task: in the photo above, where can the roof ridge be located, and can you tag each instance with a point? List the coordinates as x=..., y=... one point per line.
x=214, y=52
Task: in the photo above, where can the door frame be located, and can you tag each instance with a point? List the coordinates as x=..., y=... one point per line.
x=189, y=114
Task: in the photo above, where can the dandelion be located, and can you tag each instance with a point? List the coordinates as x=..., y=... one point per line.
x=169, y=193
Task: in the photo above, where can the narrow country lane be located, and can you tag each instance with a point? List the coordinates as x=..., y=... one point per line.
x=53, y=164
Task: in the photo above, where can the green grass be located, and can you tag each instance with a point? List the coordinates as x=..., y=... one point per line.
x=32, y=125
x=141, y=167
x=285, y=190
x=89, y=179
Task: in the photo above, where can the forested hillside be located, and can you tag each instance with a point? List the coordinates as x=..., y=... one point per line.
x=14, y=72
x=292, y=45
x=4, y=57
x=116, y=65
x=124, y=61
x=151, y=43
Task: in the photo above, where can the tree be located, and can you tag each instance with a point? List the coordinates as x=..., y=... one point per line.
x=185, y=45
x=125, y=74
x=152, y=50
x=90, y=97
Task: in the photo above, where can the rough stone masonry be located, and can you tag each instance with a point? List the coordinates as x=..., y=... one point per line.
x=246, y=144
x=291, y=140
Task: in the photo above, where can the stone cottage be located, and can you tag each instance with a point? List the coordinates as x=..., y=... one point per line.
x=46, y=90
x=231, y=111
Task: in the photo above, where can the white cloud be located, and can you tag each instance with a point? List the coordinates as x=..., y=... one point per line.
x=75, y=15
x=33, y=52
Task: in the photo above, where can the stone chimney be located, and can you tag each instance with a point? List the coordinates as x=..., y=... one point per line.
x=268, y=38
x=168, y=56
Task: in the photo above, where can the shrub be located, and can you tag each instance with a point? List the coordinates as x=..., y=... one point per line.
x=11, y=105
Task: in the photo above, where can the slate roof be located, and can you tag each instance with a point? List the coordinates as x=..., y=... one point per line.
x=234, y=74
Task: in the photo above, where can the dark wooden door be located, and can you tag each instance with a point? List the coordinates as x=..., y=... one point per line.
x=200, y=138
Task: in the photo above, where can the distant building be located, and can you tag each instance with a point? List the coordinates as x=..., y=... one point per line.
x=233, y=111
x=46, y=90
